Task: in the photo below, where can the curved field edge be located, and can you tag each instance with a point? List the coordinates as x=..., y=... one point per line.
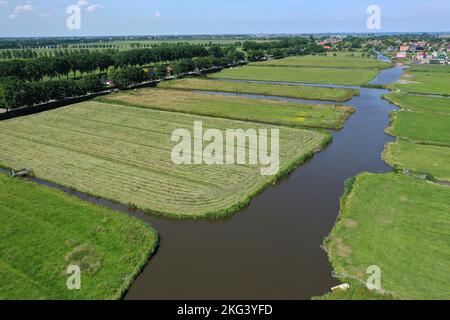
x=341, y=77
x=420, y=160
x=345, y=114
x=340, y=94
x=245, y=200
x=392, y=131
x=363, y=237
x=54, y=220
x=419, y=103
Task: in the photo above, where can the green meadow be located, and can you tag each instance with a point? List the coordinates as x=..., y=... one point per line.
x=43, y=231
x=400, y=224
x=339, y=61
x=430, y=68
x=299, y=92
x=338, y=76
x=424, y=82
x=236, y=108
x=418, y=158
x=418, y=127
x=414, y=103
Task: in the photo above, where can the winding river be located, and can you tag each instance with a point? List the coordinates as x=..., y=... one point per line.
x=271, y=249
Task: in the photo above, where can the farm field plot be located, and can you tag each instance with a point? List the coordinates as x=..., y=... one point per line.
x=124, y=154
x=400, y=224
x=423, y=159
x=341, y=61
x=306, y=92
x=424, y=82
x=430, y=68
x=43, y=231
x=421, y=103
x=336, y=76
x=419, y=127
x=258, y=110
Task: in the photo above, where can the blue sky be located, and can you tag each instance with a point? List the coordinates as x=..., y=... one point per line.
x=154, y=17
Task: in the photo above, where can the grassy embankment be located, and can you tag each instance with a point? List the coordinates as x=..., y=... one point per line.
x=406, y=236
x=423, y=129
x=425, y=80
x=340, y=61
x=237, y=108
x=124, y=154
x=299, y=92
x=43, y=231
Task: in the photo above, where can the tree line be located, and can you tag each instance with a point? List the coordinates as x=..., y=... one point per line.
x=15, y=93
x=91, y=62
x=281, y=48
x=27, y=87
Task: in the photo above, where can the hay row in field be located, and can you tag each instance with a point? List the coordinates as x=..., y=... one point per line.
x=236, y=108
x=298, y=92
x=124, y=154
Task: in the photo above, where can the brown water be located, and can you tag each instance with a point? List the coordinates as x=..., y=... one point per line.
x=272, y=249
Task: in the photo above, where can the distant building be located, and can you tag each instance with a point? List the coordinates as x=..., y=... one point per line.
x=401, y=55
x=421, y=55
x=404, y=48
x=442, y=57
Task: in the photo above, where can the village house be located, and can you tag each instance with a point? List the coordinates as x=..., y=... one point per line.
x=404, y=48
x=442, y=57
x=401, y=55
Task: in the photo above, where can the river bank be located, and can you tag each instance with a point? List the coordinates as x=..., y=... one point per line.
x=271, y=249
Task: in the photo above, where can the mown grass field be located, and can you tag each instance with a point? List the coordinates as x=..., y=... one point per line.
x=413, y=103
x=43, y=231
x=340, y=61
x=421, y=159
x=299, y=92
x=419, y=127
x=258, y=110
x=124, y=154
x=336, y=76
x=400, y=224
x=424, y=82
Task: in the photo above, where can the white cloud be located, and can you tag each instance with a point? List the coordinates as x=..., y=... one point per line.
x=87, y=5
x=157, y=14
x=18, y=10
x=82, y=3
x=92, y=7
